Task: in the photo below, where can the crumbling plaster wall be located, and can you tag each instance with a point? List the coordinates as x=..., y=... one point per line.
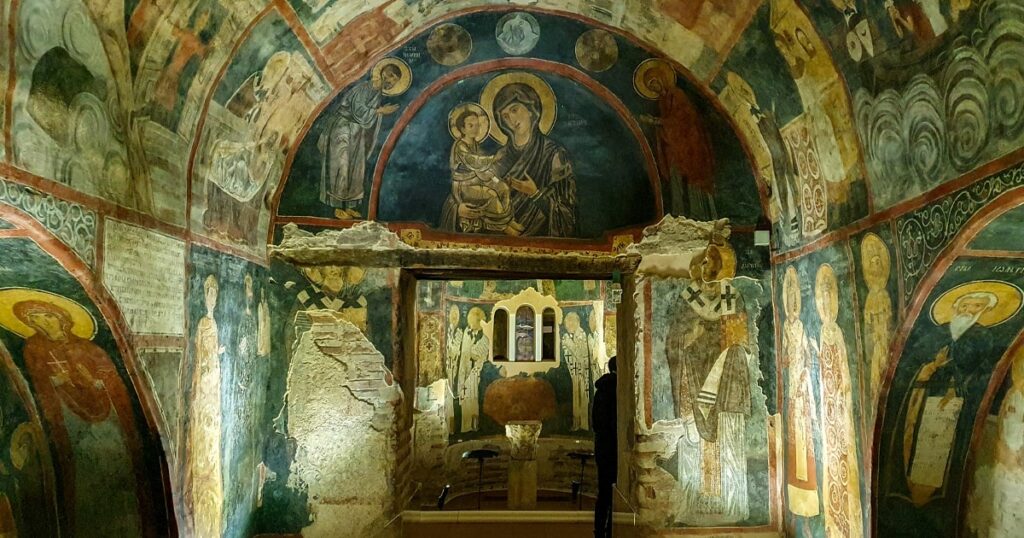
x=342, y=411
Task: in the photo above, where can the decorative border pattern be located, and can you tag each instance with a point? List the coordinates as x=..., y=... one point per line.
x=70, y=222
x=923, y=234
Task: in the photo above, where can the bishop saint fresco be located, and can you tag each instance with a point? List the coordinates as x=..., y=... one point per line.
x=707, y=358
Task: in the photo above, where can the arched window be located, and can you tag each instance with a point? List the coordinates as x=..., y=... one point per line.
x=547, y=335
x=524, y=329
x=526, y=333
x=500, y=339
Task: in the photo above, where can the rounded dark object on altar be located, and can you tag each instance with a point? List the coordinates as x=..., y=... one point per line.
x=479, y=454
x=520, y=398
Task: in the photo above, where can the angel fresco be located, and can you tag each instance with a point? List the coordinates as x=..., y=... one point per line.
x=538, y=171
x=87, y=409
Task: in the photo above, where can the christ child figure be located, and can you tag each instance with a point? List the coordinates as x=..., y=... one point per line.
x=475, y=186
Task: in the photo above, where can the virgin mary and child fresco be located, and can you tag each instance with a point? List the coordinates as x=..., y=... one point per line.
x=527, y=187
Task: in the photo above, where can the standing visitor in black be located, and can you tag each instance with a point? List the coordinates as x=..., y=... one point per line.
x=605, y=449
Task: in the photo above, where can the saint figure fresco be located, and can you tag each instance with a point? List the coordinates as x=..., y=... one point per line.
x=533, y=170
x=453, y=346
x=337, y=288
x=1007, y=474
x=204, y=480
x=706, y=350
x=473, y=351
x=576, y=351
x=482, y=195
x=348, y=139
x=449, y=44
x=248, y=393
x=841, y=480
x=686, y=159
x=87, y=410
x=801, y=467
x=953, y=366
x=878, y=316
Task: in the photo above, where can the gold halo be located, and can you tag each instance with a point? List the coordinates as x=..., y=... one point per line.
x=872, y=244
x=24, y=443
x=826, y=277
x=640, y=74
x=457, y=111
x=83, y=324
x=791, y=279
x=728, y=269
x=403, y=82
x=548, y=104
x=1010, y=298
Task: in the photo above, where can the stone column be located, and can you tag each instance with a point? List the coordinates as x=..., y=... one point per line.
x=522, y=467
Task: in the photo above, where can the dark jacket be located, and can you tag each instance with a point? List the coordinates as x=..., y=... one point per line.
x=604, y=421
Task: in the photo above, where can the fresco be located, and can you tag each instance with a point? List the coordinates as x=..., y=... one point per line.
x=474, y=373
x=879, y=302
x=823, y=378
x=249, y=125
x=72, y=223
x=967, y=323
x=937, y=86
x=507, y=151
x=797, y=124
x=1001, y=234
x=997, y=473
x=176, y=51
x=28, y=499
x=705, y=392
x=222, y=406
x=67, y=119
x=924, y=233
x=362, y=296
x=90, y=419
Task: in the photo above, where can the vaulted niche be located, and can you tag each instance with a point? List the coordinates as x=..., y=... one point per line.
x=483, y=340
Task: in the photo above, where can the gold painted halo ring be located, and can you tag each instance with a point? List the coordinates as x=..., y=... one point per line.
x=404, y=80
x=24, y=443
x=458, y=111
x=1009, y=299
x=872, y=247
x=549, y=106
x=83, y=324
x=657, y=65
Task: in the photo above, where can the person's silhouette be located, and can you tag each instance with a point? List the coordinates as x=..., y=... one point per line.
x=605, y=449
